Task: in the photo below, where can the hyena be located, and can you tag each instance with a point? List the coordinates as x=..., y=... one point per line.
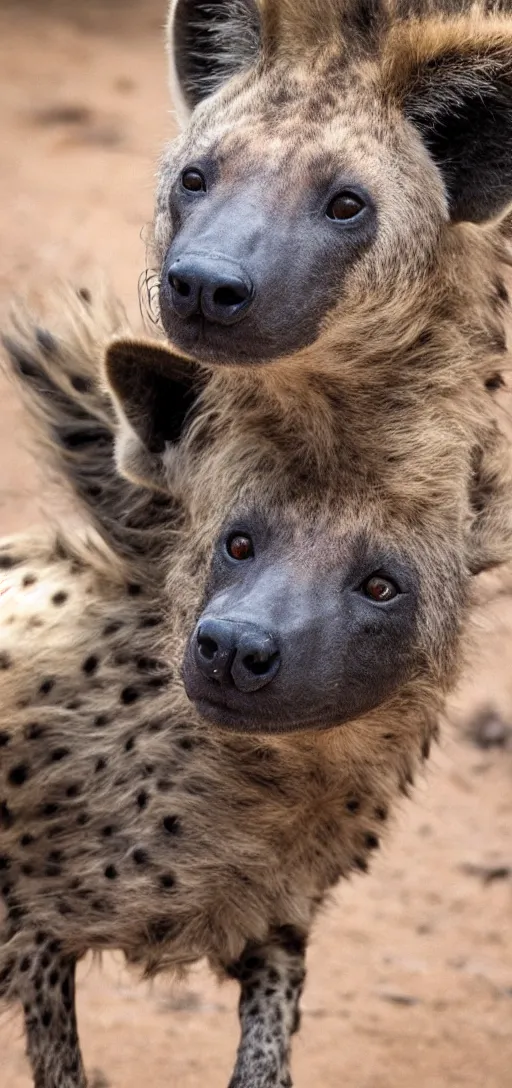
x=214, y=693
x=337, y=199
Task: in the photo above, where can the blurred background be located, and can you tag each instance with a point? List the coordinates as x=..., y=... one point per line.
x=410, y=970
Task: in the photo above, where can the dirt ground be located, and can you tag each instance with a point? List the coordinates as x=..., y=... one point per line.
x=410, y=970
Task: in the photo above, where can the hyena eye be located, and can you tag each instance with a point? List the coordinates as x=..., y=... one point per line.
x=239, y=546
x=379, y=589
x=345, y=205
x=193, y=181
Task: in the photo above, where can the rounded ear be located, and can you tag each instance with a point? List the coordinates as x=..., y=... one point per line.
x=208, y=42
x=154, y=392
x=453, y=80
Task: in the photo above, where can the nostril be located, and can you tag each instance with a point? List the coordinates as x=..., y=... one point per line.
x=180, y=286
x=259, y=663
x=230, y=296
x=208, y=648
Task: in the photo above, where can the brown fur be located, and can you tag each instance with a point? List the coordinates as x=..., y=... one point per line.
x=125, y=820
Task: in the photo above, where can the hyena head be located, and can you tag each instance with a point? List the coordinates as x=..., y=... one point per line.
x=321, y=572
x=338, y=180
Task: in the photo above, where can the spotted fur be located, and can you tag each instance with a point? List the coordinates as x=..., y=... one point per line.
x=128, y=822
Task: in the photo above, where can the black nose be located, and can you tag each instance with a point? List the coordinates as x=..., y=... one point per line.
x=236, y=653
x=215, y=287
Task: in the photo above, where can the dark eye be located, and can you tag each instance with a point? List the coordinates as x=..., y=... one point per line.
x=240, y=546
x=379, y=589
x=193, y=181
x=345, y=205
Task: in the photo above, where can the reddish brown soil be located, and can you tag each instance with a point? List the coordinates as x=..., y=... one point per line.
x=410, y=970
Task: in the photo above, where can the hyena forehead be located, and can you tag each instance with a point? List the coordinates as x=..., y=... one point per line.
x=301, y=126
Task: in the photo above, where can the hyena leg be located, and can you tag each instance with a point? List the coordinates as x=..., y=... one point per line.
x=46, y=986
x=271, y=976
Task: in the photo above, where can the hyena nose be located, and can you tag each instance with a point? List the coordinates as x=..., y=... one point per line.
x=231, y=652
x=215, y=287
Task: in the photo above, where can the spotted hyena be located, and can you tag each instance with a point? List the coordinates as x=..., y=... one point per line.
x=337, y=198
x=214, y=690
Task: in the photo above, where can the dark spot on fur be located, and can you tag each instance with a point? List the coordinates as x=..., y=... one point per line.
x=50, y=809
x=60, y=597
x=75, y=704
x=150, y=621
x=425, y=749
x=46, y=686
x=73, y=790
x=28, y=580
x=53, y=978
x=26, y=840
x=156, y=682
x=46, y=342
x=58, y=754
x=129, y=744
x=6, y=972
x=142, y=799
x=159, y=930
x=353, y=804
x=112, y=628
x=100, y=764
x=18, y=775
x=371, y=841
x=25, y=964
x=108, y=831
x=5, y=862
x=496, y=381
x=129, y=695
x=381, y=812
x=172, y=825
x=5, y=660
x=34, y=731
x=90, y=664
x=501, y=291
x=40, y=937
x=27, y=869
x=167, y=881
x=100, y=720
x=163, y=784
x=4, y=738
x=140, y=856
x=9, y=561
x=186, y=743
x=146, y=664
x=134, y=589
x=111, y=872
x=6, y=816
x=156, y=727
x=361, y=863
x=81, y=384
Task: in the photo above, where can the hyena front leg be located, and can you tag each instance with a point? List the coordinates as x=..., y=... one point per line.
x=271, y=977
x=46, y=987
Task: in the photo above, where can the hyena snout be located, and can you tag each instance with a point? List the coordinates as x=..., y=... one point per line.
x=303, y=626
x=230, y=652
x=199, y=286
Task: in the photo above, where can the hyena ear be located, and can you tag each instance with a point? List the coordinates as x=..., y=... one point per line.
x=453, y=81
x=154, y=392
x=209, y=41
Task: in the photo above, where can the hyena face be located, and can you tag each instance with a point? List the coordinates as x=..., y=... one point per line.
x=331, y=161
x=305, y=593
